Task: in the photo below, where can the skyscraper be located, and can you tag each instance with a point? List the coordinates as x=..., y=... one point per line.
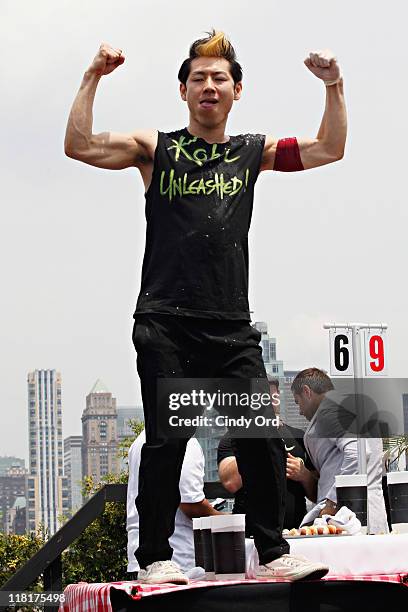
x=273, y=366
x=46, y=486
x=12, y=486
x=73, y=470
x=289, y=409
x=99, y=433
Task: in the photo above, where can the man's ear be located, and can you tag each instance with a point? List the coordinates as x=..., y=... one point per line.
x=183, y=91
x=307, y=391
x=237, y=90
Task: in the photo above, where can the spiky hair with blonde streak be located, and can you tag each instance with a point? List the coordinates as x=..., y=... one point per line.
x=216, y=44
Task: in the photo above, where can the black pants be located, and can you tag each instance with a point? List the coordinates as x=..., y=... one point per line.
x=180, y=347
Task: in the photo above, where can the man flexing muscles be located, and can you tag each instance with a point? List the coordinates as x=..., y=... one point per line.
x=192, y=315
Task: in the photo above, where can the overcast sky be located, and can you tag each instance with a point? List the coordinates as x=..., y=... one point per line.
x=328, y=244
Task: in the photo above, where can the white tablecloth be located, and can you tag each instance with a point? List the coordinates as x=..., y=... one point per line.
x=356, y=555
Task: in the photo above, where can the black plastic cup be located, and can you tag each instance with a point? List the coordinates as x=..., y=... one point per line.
x=351, y=490
x=198, y=543
x=397, y=483
x=208, y=557
x=228, y=542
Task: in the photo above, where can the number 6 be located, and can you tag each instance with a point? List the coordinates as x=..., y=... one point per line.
x=341, y=353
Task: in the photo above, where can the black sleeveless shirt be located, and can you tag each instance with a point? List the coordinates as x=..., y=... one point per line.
x=198, y=212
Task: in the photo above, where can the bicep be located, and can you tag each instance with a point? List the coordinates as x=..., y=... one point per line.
x=229, y=475
x=281, y=155
x=116, y=151
x=227, y=467
x=294, y=154
x=314, y=153
x=191, y=483
x=269, y=152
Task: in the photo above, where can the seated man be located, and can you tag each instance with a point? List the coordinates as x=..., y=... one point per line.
x=331, y=456
x=193, y=504
x=296, y=457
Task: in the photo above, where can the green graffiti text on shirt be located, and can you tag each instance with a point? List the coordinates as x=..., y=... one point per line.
x=199, y=156
x=172, y=185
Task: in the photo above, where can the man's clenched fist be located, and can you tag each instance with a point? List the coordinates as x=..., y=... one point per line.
x=295, y=467
x=324, y=65
x=106, y=60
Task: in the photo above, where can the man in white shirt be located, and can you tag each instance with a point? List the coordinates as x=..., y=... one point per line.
x=193, y=504
x=331, y=456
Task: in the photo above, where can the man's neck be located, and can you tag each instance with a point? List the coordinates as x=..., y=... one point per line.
x=215, y=134
x=319, y=399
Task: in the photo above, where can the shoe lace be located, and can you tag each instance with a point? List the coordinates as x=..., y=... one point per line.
x=292, y=560
x=163, y=565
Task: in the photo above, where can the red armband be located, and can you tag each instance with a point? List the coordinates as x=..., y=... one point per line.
x=287, y=157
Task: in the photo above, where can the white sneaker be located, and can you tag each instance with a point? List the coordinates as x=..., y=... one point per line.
x=161, y=572
x=292, y=567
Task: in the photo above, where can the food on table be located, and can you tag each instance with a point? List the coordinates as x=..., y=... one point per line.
x=314, y=530
x=305, y=531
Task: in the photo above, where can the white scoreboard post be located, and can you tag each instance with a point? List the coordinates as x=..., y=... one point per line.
x=358, y=350
x=350, y=344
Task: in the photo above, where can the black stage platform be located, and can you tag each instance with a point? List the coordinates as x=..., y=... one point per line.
x=318, y=596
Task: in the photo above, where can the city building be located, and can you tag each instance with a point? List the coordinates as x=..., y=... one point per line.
x=73, y=471
x=273, y=366
x=209, y=438
x=9, y=462
x=99, y=433
x=47, y=492
x=289, y=408
x=124, y=414
x=16, y=517
x=12, y=486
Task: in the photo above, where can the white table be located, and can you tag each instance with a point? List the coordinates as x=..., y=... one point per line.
x=356, y=555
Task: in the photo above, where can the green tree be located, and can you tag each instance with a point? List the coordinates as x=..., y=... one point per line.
x=15, y=550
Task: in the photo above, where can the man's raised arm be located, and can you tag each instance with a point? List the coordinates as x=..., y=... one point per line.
x=111, y=150
x=289, y=155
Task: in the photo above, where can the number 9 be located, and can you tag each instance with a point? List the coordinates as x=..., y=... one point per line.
x=376, y=349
